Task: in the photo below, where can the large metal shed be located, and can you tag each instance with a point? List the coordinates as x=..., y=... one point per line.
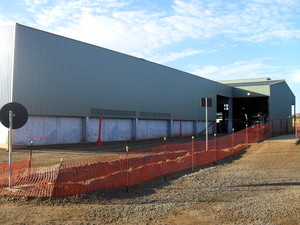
x=66, y=85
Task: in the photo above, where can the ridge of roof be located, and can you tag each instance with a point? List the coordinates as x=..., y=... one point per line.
x=251, y=82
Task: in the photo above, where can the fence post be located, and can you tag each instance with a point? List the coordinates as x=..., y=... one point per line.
x=206, y=124
x=215, y=141
x=257, y=131
x=272, y=127
x=215, y=151
x=247, y=138
x=269, y=130
x=165, y=153
x=232, y=144
x=295, y=125
x=286, y=126
x=280, y=126
x=55, y=181
x=30, y=157
x=30, y=154
x=193, y=153
x=127, y=170
x=296, y=129
x=215, y=127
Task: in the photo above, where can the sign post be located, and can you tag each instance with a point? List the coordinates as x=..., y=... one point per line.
x=206, y=124
x=13, y=115
x=206, y=102
x=10, y=147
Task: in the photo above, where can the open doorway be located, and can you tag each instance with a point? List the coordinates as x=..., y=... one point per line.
x=223, y=108
x=249, y=111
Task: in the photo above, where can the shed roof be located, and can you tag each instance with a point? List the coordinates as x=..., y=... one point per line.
x=251, y=82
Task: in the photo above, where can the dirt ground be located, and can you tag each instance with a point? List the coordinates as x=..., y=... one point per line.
x=52, y=154
x=262, y=186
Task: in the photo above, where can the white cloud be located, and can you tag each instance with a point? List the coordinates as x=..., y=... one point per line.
x=111, y=32
x=172, y=56
x=4, y=19
x=241, y=21
x=295, y=76
x=32, y=5
x=36, y=2
x=130, y=27
x=69, y=11
x=277, y=1
x=108, y=24
x=241, y=69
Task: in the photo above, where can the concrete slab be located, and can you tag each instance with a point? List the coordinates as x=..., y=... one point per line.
x=291, y=138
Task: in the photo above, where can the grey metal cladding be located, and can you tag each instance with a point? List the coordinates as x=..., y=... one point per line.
x=58, y=76
x=113, y=113
x=155, y=115
x=280, y=101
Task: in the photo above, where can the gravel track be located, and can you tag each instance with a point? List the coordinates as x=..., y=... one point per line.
x=261, y=186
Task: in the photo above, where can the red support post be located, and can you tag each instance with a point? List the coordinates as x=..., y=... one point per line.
x=180, y=134
x=99, y=142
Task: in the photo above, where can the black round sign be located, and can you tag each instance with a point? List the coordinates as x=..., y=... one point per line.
x=20, y=115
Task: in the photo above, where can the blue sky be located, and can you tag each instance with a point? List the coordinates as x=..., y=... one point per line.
x=215, y=39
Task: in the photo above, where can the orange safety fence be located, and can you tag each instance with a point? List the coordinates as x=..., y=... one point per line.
x=127, y=169
x=19, y=168
x=297, y=128
x=37, y=182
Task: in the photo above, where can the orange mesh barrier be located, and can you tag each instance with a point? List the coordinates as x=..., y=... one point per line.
x=126, y=169
x=81, y=177
x=38, y=182
x=297, y=127
x=19, y=168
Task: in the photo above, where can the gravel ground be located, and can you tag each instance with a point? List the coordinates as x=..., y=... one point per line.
x=261, y=186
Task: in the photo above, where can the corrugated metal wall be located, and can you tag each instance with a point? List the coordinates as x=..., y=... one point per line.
x=63, y=77
x=281, y=101
x=256, y=91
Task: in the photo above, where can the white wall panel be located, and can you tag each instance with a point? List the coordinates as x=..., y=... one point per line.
x=152, y=129
x=49, y=130
x=64, y=130
x=116, y=130
x=7, y=34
